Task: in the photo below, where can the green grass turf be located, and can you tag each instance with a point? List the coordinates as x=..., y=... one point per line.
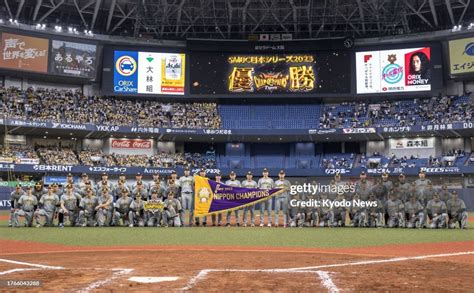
x=294, y=237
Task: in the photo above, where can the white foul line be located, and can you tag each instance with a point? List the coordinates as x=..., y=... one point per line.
x=14, y=271
x=31, y=264
x=118, y=273
x=327, y=281
x=203, y=273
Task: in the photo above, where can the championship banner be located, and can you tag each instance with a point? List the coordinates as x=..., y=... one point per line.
x=211, y=197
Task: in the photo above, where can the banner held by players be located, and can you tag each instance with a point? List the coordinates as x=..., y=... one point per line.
x=211, y=197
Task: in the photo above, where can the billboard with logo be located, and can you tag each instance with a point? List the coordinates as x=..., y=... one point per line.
x=397, y=70
x=149, y=73
x=268, y=74
x=131, y=146
x=461, y=56
x=21, y=52
x=73, y=59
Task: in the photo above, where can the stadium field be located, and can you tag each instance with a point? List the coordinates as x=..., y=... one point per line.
x=109, y=258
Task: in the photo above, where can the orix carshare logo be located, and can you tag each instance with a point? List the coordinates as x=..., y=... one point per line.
x=126, y=65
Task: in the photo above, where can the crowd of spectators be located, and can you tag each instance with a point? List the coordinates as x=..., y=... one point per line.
x=72, y=107
x=338, y=162
x=18, y=151
x=56, y=155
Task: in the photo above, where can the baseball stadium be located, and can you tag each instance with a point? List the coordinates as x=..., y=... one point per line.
x=240, y=145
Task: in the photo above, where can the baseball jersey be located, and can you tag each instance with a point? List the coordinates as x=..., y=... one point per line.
x=422, y=183
x=234, y=183
x=101, y=185
x=89, y=203
x=378, y=208
x=266, y=183
x=380, y=191
x=38, y=193
x=123, y=204
x=413, y=208
x=388, y=184
x=428, y=193
x=249, y=184
x=107, y=200
x=27, y=203
x=70, y=201
x=82, y=185
x=436, y=207
x=394, y=207
x=134, y=186
x=444, y=195
x=187, y=184
x=117, y=192
x=15, y=196
x=142, y=193
x=404, y=190
x=173, y=206
x=363, y=189
x=286, y=185
x=455, y=206
x=49, y=202
x=137, y=205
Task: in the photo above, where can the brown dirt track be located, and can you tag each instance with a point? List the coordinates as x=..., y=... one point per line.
x=88, y=265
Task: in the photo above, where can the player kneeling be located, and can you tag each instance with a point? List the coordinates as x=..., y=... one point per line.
x=171, y=209
x=136, y=214
x=436, y=210
x=457, y=211
x=48, y=204
x=105, y=208
x=69, y=206
x=396, y=212
x=154, y=210
x=375, y=213
x=358, y=214
x=122, y=208
x=414, y=215
x=87, y=209
x=26, y=208
x=326, y=214
x=339, y=212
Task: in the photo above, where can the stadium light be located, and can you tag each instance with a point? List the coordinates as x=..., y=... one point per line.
x=58, y=28
x=11, y=20
x=470, y=26
x=1, y=20
x=69, y=29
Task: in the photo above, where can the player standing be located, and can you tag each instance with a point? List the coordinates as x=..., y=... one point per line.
x=249, y=183
x=215, y=217
x=266, y=183
x=187, y=193
x=14, y=197
x=234, y=183
x=281, y=200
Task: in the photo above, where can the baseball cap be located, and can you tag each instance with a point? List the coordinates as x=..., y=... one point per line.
x=55, y=185
x=454, y=192
x=401, y=175
x=362, y=173
x=104, y=174
x=186, y=169
x=385, y=174
x=218, y=173
x=265, y=170
x=69, y=175
x=124, y=190
x=232, y=173
x=249, y=173
x=18, y=186
x=202, y=170
x=173, y=172
x=84, y=174
x=122, y=174
x=281, y=172
x=69, y=186
x=28, y=187
x=138, y=174
x=421, y=172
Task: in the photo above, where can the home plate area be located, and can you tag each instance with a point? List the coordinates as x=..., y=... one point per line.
x=239, y=270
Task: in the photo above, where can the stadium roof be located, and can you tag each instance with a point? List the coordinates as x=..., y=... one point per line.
x=243, y=19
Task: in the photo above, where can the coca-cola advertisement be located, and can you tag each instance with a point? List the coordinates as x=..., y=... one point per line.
x=131, y=144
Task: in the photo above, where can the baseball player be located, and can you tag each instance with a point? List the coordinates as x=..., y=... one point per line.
x=363, y=186
x=281, y=200
x=117, y=191
x=404, y=188
x=414, y=215
x=387, y=182
x=187, y=194
x=339, y=219
x=158, y=185
x=266, y=183
x=84, y=183
x=234, y=183
x=444, y=194
x=155, y=216
x=69, y=181
x=171, y=211
x=437, y=212
x=218, y=179
x=310, y=213
x=457, y=211
x=47, y=204
x=139, y=179
x=421, y=184
x=375, y=213
x=103, y=184
x=136, y=215
x=396, y=212
x=39, y=190
x=380, y=191
x=87, y=208
x=249, y=183
x=69, y=203
x=172, y=186
x=25, y=207
x=122, y=207
x=428, y=192
x=358, y=214
x=325, y=212
x=202, y=173
x=14, y=197
x=105, y=208
x=140, y=190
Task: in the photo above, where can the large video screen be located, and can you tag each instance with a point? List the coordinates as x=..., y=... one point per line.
x=227, y=73
x=21, y=52
x=461, y=56
x=73, y=59
x=148, y=73
x=398, y=70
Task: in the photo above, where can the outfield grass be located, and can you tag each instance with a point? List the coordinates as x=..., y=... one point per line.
x=294, y=237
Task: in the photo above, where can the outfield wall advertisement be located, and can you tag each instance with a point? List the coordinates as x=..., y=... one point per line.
x=149, y=73
x=398, y=70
